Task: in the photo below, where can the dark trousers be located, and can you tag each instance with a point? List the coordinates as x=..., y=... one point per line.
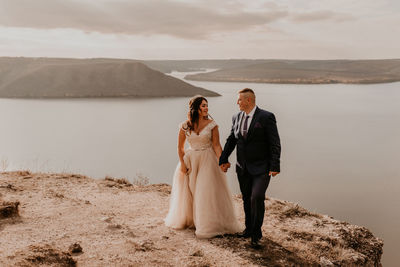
x=253, y=190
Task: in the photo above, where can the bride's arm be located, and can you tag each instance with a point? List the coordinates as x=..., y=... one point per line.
x=181, y=149
x=215, y=141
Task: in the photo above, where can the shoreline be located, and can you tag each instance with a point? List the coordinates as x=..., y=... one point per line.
x=275, y=81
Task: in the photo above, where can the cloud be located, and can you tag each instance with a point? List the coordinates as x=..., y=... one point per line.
x=143, y=17
x=321, y=15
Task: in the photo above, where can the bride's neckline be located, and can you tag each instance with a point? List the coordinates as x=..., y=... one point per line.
x=202, y=128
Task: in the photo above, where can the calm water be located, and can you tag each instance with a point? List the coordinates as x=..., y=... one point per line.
x=340, y=144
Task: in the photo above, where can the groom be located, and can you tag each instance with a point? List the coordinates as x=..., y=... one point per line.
x=255, y=136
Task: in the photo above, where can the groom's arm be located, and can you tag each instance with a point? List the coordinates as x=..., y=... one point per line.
x=229, y=145
x=274, y=144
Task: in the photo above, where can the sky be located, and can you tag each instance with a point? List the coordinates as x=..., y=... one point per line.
x=201, y=29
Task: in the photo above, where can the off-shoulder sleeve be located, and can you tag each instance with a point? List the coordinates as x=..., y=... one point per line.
x=212, y=124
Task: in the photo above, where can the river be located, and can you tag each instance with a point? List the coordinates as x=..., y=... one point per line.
x=340, y=144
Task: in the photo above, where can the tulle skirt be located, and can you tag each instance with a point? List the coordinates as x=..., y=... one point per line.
x=201, y=198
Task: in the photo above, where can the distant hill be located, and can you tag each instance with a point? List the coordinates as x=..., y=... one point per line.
x=167, y=66
x=101, y=77
x=59, y=78
x=308, y=72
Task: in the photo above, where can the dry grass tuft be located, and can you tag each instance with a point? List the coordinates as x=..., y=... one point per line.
x=18, y=173
x=291, y=212
x=144, y=246
x=359, y=239
x=78, y=176
x=117, y=182
x=165, y=189
x=306, y=236
x=141, y=180
x=4, y=165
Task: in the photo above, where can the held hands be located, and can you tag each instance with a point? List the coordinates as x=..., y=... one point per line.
x=273, y=174
x=225, y=166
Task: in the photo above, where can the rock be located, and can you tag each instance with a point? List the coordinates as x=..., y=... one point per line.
x=197, y=253
x=114, y=226
x=147, y=245
x=106, y=219
x=8, y=209
x=75, y=248
x=144, y=246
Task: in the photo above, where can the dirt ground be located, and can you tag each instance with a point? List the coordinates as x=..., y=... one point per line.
x=74, y=220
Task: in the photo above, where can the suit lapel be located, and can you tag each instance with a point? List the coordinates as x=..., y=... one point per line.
x=253, y=121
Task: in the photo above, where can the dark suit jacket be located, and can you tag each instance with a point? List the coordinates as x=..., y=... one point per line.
x=260, y=151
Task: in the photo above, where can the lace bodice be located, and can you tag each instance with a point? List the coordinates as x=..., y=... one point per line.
x=200, y=141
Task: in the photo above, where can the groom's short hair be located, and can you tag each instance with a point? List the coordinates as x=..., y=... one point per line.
x=249, y=93
x=247, y=90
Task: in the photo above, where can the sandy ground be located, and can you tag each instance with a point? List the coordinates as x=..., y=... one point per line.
x=120, y=224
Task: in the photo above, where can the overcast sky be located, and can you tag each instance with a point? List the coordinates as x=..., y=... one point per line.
x=201, y=29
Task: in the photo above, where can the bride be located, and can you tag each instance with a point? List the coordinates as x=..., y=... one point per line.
x=200, y=197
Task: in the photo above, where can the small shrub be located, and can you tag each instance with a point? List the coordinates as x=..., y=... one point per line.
x=140, y=180
x=4, y=165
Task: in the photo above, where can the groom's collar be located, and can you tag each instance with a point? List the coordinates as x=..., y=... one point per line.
x=251, y=114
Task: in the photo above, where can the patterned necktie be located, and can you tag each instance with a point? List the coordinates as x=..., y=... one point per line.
x=245, y=126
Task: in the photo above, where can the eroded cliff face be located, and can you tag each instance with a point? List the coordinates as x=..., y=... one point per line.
x=70, y=219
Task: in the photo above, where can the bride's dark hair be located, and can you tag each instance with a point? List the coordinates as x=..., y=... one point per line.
x=193, y=114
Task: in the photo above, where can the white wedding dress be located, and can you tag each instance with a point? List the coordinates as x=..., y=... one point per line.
x=201, y=198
